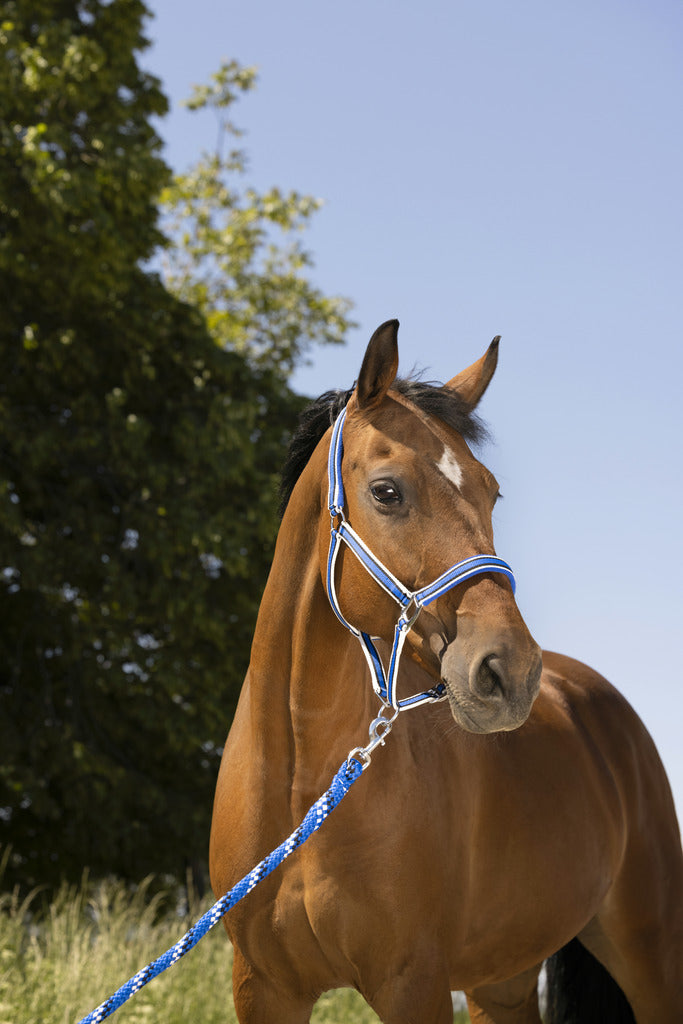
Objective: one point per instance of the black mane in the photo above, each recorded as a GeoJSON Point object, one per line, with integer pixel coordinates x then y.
{"type": "Point", "coordinates": [432, 399]}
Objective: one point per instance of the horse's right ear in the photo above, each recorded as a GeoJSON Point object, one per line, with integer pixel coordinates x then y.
{"type": "Point", "coordinates": [473, 382]}
{"type": "Point", "coordinates": [380, 366]}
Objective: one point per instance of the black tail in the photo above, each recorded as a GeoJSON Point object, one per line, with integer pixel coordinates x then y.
{"type": "Point", "coordinates": [581, 991]}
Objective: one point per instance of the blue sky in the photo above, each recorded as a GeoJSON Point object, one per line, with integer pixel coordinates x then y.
{"type": "Point", "coordinates": [497, 168]}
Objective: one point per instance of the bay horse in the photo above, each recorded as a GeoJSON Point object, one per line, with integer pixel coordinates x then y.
{"type": "Point", "coordinates": [518, 812]}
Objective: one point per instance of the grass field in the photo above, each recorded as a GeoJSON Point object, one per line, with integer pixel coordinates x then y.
{"type": "Point", "coordinates": [59, 961]}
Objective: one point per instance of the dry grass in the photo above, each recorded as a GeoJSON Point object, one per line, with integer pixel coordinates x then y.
{"type": "Point", "coordinates": [59, 961]}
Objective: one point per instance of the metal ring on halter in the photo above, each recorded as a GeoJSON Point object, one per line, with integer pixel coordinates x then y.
{"type": "Point", "coordinates": [406, 620]}
{"type": "Point", "coordinates": [381, 725]}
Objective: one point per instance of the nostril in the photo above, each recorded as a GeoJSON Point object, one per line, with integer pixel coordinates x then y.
{"type": "Point", "coordinates": [488, 682]}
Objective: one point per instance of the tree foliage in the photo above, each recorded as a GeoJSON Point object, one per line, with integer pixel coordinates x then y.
{"type": "Point", "coordinates": [238, 256]}
{"type": "Point", "coordinates": [138, 464]}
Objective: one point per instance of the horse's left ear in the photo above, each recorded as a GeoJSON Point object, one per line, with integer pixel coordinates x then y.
{"type": "Point", "coordinates": [380, 366]}
{"type": "Point", "coordinates": [473, 382]}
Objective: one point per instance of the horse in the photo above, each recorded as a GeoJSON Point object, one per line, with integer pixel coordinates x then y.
{"type": "Point", "coordinates": [518, 813]}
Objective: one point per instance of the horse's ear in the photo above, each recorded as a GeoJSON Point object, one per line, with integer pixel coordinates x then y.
{"type": "Point", "coordinates": [473, 382]}
{"type": "Point", "coordinates": [380, 366]}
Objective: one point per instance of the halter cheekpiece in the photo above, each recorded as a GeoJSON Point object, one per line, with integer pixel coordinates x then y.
{"type": "Point", "coordinates": [411, 601]}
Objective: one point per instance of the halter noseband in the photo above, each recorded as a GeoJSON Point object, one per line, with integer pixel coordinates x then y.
{"type": "Point", "coordinates": [411, 601]}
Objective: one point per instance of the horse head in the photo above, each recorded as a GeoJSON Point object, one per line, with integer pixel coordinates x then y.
{"type": "Point", "coordinates": [421, 502]}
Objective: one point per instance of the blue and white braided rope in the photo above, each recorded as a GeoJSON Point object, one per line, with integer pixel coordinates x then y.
{"type": "Point", "coordinates": [342, 782]}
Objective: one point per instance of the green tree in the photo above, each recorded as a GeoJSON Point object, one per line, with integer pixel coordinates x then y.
{"type": "Point", "coordinates": [237, 255]}
{"type": "Point", "coordinates": [138, 465]}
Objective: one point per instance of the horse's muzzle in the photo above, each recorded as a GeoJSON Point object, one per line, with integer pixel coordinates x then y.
{"type": "Point", "coordinates": [493, 689]}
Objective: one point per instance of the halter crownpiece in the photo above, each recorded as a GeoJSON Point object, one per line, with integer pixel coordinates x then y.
{"type": "Point", "coordinates": [411, 601]}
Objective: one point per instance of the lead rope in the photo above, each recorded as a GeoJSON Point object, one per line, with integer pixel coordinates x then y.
{"type": "Point", "coordinates": [352, 768]}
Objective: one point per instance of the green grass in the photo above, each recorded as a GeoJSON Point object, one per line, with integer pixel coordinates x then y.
{"type": "Point", "coordinates": [58, 962]}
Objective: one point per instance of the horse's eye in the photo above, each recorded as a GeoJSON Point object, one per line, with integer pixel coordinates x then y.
{"type": "Point", "coordinates": [386, 492]}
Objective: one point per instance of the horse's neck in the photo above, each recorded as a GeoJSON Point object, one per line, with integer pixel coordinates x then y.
{"type": "Point", "coordinates": [309, 697]}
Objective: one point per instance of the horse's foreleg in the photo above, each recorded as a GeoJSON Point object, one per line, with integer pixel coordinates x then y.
{"type": "Point", "coordinates": [259, 1001]}
{"type": "Point", "coordinates": [511, 1002]}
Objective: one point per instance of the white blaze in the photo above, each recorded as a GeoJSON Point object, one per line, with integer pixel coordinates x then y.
{"type": "Point", "coordinates": [450, 468]}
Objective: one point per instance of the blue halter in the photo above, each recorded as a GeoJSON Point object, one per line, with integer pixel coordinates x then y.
{"type": "Point", "coordinates": [411, 601]}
